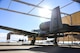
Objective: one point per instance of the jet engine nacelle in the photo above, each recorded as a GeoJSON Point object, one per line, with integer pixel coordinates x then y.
{"type": "Point", "coordinates": [45, 26]}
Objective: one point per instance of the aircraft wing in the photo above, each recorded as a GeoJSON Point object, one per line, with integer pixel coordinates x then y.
{"type": "Point", "coordinates": [17, 30]}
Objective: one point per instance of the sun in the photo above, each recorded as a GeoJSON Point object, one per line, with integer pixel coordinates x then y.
{"type": "Point", "coordinates": [44, 12]}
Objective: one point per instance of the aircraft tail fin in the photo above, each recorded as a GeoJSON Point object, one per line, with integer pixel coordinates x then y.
{"type": "Point", "coordinates": [55, 23]}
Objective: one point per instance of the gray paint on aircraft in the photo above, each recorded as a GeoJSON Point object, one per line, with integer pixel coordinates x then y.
{"type": "Point", "coordinates": [55, 23]}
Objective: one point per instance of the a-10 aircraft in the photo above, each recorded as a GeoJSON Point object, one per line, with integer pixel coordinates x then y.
{"type": "Point", "coordinates": [52, 28]}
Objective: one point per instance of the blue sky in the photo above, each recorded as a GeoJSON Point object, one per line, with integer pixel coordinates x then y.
{"type": "Point", "coordinates": [26, 22]}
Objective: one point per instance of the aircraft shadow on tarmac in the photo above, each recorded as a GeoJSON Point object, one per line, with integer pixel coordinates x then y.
{"type": "Point", "coordinates": [48, 49]}
{"type": "Point", "coordinates": [52, 49]}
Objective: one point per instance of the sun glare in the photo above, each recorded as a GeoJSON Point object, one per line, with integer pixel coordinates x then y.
{"type": "Point", "coordinates": [44, 12]}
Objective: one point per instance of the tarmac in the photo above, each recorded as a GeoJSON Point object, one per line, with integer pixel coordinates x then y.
{"type": "Point", "coordinates": [18, 48]}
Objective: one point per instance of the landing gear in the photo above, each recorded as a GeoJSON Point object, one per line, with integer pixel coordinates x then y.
{"type": "Point", "coordinates": [55, 41]}
{"type": "Point", "coordinates": [56, 36]}
{"type": "Point", "coordinates": [8, 37]}
{"type": "Point", "coordinates": [33, 40]}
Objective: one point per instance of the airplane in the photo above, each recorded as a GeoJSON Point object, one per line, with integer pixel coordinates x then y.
{"type": "Point", "coordinates": [53, 28]}
{"type": "Point", "coordinates": [77, 1]}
